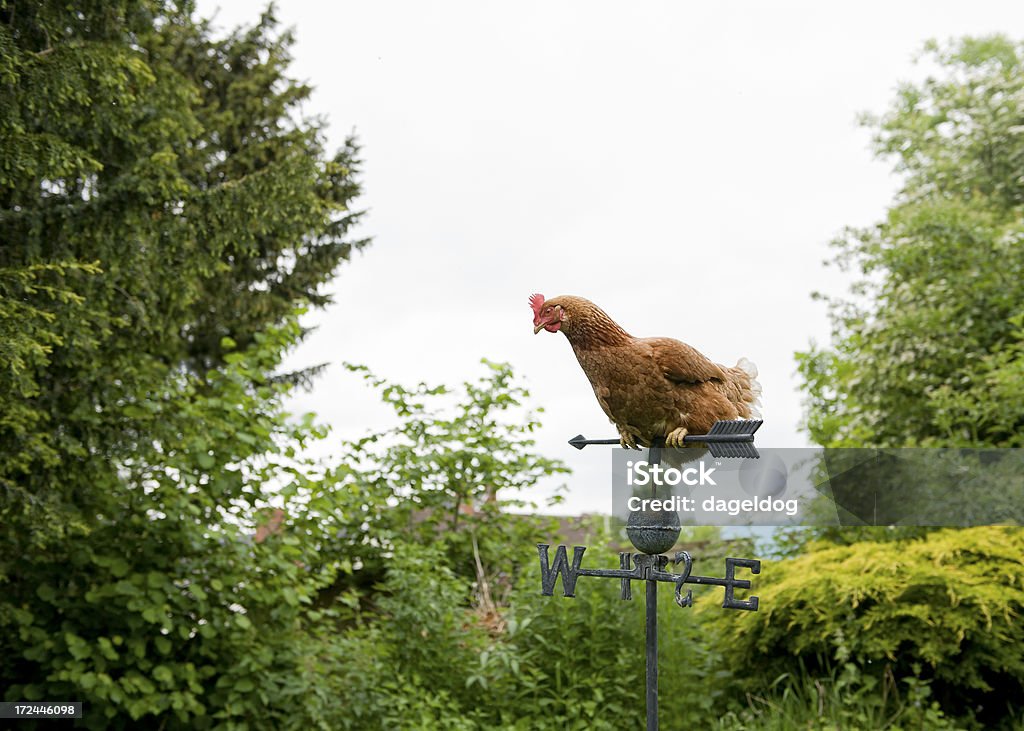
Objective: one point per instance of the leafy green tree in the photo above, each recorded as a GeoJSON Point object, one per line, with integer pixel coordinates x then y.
{"type": "Point", "coordinates": [164, 212]}
{"type": "Point", "coordinates": [275, 205]}
{"type": "Point", "coordinates": [446, 476]}
{"type": "Point", "coordinates": [137, 144]}
{"type": "Point", "coordinates": [930, 349]}
{"type": "Point", "coordinates": [927, 350]}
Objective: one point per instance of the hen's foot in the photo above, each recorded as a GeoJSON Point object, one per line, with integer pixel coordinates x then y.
{"type": "Point", "coordinates": [627, 440]}
{"type": "Point", "coordinates": [675, 439]}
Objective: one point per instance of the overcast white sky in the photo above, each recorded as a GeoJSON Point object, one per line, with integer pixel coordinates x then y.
{"type": "Point", "coordinates": [658, 158]}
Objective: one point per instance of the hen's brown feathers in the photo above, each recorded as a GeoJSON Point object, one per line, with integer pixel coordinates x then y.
{"type": "Point", "coordinates": [682, 364]}
{"type": "Point", "coordinates": [651, 387]}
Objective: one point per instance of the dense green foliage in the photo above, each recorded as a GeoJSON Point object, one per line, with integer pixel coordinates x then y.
{"type": "Point", "coordinates": [930, 350]}
{"type": "Point", "coordinates": [164, 211]}
{"type": "Point", "coordinates": [158, 193]}
{"type": "Point", "coordinates": [551, 663]}
{"type": "Point", "coordinates": [152, 598]}
{"type": "Point", "coordinates": [435, 478]}
{"type": "Point", "coordinates": [943, 610]}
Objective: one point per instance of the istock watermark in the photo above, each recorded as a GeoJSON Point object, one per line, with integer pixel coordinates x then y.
{"type": "Point", "coordinates": [825, 487]}
{"type": "Point", "coordinates": [644, 473]}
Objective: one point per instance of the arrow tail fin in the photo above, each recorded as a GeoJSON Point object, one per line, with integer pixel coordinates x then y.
{"type": "Point", "coordinates": [743, 450]}
{"type": "Point", "coordinates": [736, 426]}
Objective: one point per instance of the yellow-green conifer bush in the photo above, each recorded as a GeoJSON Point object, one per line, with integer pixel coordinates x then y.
{"type": "Point", "coordinates": [946, 608]}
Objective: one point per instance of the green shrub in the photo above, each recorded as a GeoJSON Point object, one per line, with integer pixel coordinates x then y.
{"type": "Point", "coordinates": [944, 609]}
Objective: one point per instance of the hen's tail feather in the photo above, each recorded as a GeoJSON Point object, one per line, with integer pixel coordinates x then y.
{"type": "Point", "coordinates": [748, 367]}
{"type": "Point", "coordinates": [750, 392]}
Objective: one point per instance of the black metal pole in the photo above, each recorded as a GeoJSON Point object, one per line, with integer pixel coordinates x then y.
{"type": "Point", "coordinates": [652, 655]}
{"type": "Point", "coordinates": [654, 457]}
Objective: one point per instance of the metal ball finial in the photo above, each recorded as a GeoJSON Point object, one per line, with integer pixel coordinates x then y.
{"type": "Point", "coordinates": [653, 531]}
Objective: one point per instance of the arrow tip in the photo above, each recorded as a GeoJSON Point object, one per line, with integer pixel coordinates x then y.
{"type": "Point", "coordinates": [579, 441]}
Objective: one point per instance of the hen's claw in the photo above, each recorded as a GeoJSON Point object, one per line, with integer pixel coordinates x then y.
{"type": "Point", "coordinates": [675, 439]}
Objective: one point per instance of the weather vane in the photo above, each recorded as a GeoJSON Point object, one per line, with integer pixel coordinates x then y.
{"type": "Point", "coordinates": [653, 533]}
{"type": "Point", "coordinates": [662, 392]}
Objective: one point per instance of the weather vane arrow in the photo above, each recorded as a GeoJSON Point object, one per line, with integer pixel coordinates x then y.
{"type": "Point", "coordinates": [733, 438]}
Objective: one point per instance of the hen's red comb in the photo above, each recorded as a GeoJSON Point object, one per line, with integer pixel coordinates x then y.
{"type": "Point", "coordinates": [536, 302]}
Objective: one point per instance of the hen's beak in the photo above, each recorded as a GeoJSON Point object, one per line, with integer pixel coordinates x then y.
{"type": "Point", "coordinates": [540, 327]}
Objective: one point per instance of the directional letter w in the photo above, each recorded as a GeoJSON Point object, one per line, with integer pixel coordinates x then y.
{"type": "Point", "coordinates": [569, 574]}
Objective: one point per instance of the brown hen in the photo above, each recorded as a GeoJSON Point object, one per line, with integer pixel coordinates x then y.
{"type": "Point", "coordinates": [649, 387]}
